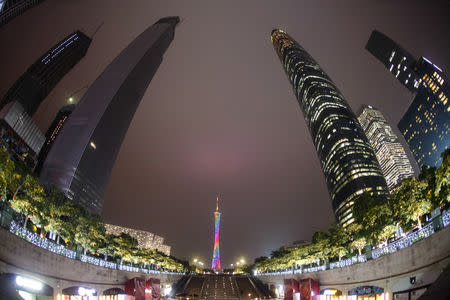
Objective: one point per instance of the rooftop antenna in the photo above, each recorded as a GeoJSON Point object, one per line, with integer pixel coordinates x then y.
{"type": "Point", "coordinates": [98, 28]}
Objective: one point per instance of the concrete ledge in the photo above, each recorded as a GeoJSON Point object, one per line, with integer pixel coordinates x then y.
{"type": "Point", "coordinates": [21, 257]}
{"type": "Point", "coordinates": [424, 260]}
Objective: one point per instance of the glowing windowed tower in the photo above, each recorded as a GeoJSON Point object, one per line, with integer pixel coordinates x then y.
{"type": "Point", "coordinates": [347, 159]}
{"type": "Point", "coordinates": [216, 253]}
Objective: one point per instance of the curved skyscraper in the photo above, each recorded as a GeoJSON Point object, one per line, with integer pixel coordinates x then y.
{"type": "Point", "coordinates": [347, 159]}
{"type": "Point", "coordinates": [83, 154]}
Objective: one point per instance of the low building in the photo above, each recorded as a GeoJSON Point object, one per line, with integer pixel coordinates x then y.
{"type": "Point", "coordinates": [145, 239]}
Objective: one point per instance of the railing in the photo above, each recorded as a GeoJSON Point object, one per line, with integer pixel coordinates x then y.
{"type": "Point", "coordinates": [407, 241]}
{"type": "Point", "coordinates": [404, 242]}
{"type": "Point", "coordinates": [348, 262]}
{"type": "Point", "coordinates": [47, 244]}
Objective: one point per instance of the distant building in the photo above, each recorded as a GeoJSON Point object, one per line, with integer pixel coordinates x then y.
{"type": "Point", "coordinates": [348, 162]}
{"type": "Point", "coordinates": [146, 240]}
{"type": "Point", "coordinates": [9, 9]}
{"type": "Point", "coordinates": [296, 245]}
{"type": "Point", "coordinates": [52, 133]}
{"type": "Point", "coordinates": [393, 160]}
{"type": "Point", "coordinates": [425, 125]}
{"type": "Point", "coordinates": [83, 155]}
{"type": "Point", "coordinates": [20, 135]}
{"type": "Point", "coordinates": [37, 82]}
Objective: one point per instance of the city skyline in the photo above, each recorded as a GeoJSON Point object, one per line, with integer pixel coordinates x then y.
{"type": "Point", "coordinates": [212, 121]}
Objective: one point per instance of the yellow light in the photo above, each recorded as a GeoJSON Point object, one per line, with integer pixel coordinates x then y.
{"type": "Point", "coordinates": [70, 99]}
{"type": "Point", "coordinates": [93, 145]}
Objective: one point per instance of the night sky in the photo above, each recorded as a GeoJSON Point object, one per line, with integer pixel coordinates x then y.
{"type": "Point", "coordinates": [220, 117]}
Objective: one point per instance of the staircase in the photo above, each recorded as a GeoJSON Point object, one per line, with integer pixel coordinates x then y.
{"type": "Point", "coordinates": [219, 288]}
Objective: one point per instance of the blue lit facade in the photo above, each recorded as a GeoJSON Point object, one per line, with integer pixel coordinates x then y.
{"type": "Point", "coordinates": [83, 154]}
{"type": "Point", "coordinates": [425, 125]}
{"type": "Point", "coordinates": [347, 159]}
{"type": "Point", "coordinates": [38, 81]}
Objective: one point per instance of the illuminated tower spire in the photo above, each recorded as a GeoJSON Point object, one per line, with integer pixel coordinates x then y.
{"type": "Point", "coordinates": [216, 253]}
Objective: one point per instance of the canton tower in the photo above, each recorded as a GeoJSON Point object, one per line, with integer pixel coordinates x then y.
{"type": "Point", "coordinates": [348, 161]}
{"type": "Point", "coordinates": [216, 253]}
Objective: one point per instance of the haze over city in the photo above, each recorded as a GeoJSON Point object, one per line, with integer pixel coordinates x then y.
{"type": "Point", "coordinates": [219, 117]}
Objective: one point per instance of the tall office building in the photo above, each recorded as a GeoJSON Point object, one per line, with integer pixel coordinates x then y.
{"type": "Point", "coordinates": [83, 154]}
{"type": "Point", "coordinates": [347, 159]}
{"type": "Point", "coordinates": [425, 125]}
{"type": "Point", "coordinates": [393, 160]}
{"type": "Point", "coordinates": [20, 135]}
{"type": "Point", "coordinates": [396, 59]}
{"type": "Point", "coordinates": [52, 133]}
{"type": "Point", "coordinates": [9, 9]}
{"type": "Point", "coordinates": [37, 82]}
{"type": "Point", "coordinates": [215, 264]}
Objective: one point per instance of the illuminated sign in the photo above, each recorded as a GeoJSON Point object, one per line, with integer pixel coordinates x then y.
{"type": "Point", "coordinates": [29, 283]}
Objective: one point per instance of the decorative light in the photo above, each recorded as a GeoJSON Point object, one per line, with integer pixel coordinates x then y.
{"type": "Point", "coordinates": [29, 283]}
{"type": "Point", "coordinates": [167, 290]}
{"type": "Point", "coordinates": [93, 145]}
{"type": "Point", "coordinates": [85, 292]}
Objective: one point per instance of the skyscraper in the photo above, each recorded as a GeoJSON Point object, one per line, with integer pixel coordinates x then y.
{"type": "Point", "coordinates": [347, 159]}
{"type": "Point", "coordinates": [393, 160]}
{"type": "Point", "coordinates": [37, 82]}
{"type": "Point", "coordinates": [20, 135]}
{"type": "Point", "coordinates": [52, 133]}
{"type": "Point", "coordinates": [399, 62]}
{"type": "Point", "coordinates": [425, 125]}
{"type": "Point", "coordinates": [83, 154]}
{"type": "Point", "coordinates": [9, 9]}
{"type": "Point", "coordinates": [215, 265]}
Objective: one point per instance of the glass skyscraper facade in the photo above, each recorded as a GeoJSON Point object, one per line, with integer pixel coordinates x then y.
{"type": "Point", "coordinates": [9, 9]}
{"type": "Point", "coordinates": [390, 153]}
{"type": "Point", "coordinates": [52, 132]}
{"type": "Point", "coordinates": [83, 154]}
{"type": "Point", "coordinates": [397, 60]}
{"type": "Point", "coordinates": [425, 125]}
{"type": "Point", "coordinates": [38, 81]}
{"type": "Point", "coordinates": [347, 159]}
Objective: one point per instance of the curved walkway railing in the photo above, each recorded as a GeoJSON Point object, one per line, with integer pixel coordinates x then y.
{"type": "Point", "coordinates": [47, 244]}
{"type": "Point", "coordinates": [399, 244]}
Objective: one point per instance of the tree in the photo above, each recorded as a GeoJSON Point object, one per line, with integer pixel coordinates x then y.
{"type": "Point", "coordinates": [7, 173]}
{"type": "Point", "coordinates": [359, 244]}
{"type": "Point", "coordinates": [123, 246]}
{"type": "Point", "coordinates": [279, 252]}
{"type": "Point", "coordinates": [28, 199]}
{"type": "Point", "coordinates": [442, 175]}
{"type": "Point", "coordinates": [373, 215]}
{"type": "Point", "coordinates": [90, 233]}
{"type": "Point", "coordinates": [339, 239]}
{"type": "Point", "coordinates": [409, 201]}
